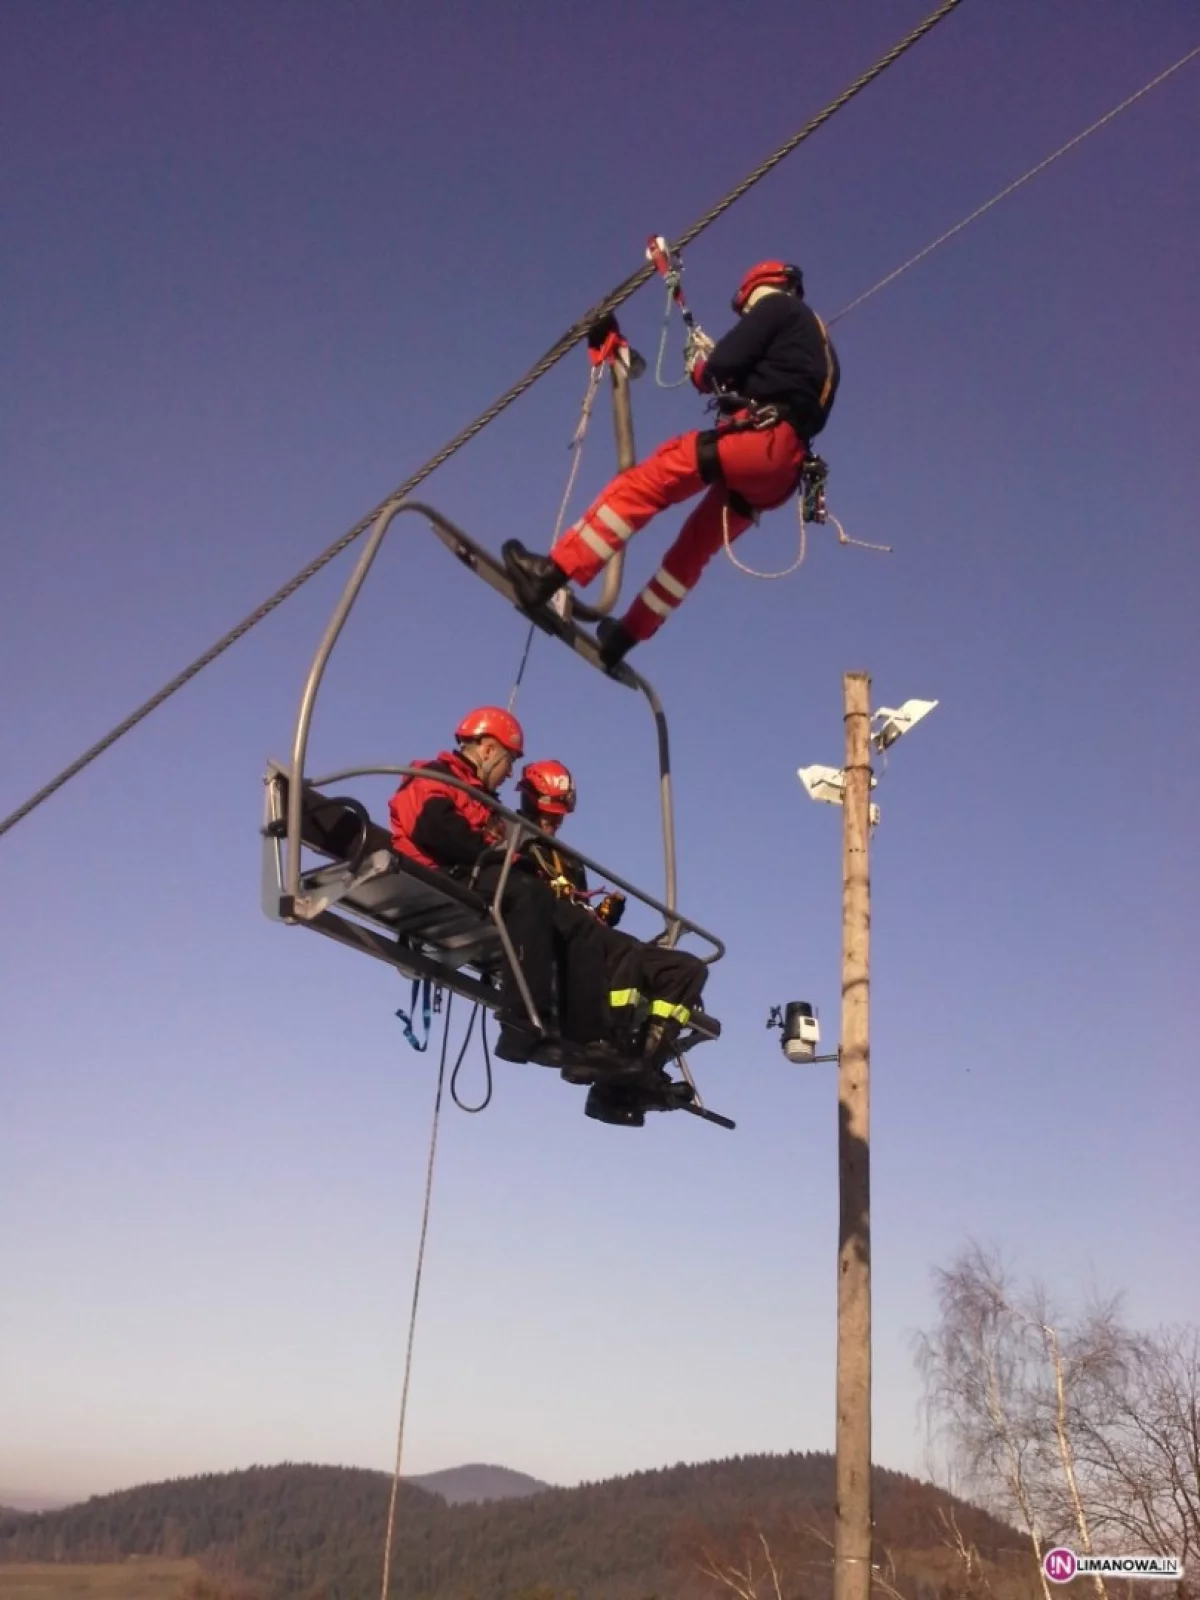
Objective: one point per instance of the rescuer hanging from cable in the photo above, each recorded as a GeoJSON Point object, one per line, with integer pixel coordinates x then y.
{"type": "Point", "coordinates": [779, 357]}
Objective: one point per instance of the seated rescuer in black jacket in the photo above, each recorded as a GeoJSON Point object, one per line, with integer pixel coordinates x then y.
{"type": "Point", "coordinates": [652, 990]}
{"type": "Point", "coordinates": [451, 831]}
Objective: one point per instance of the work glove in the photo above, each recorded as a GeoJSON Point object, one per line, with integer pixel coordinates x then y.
{"type": "Point", "coordinates": [695, 358]}
{"type": "Point", "coordinates": [611, 909]}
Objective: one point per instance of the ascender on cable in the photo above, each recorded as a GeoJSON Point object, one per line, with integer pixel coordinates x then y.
{"type": "Point", "coordinates": [658, 251]}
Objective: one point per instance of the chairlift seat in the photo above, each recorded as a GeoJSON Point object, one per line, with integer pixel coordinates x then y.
{"type": "Point", "coordinates": [428, 912]}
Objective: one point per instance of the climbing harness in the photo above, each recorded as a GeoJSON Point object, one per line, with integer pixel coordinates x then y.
{"type": "Point", "coordinates": [550, 860]}
{"type": "Point", "coordinates": [431, 1003]}
{"type": "Point", "coordinates": [754, 415]}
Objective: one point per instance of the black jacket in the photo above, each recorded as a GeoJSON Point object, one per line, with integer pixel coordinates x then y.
{"type": "Point", "coordinates": [778, 353]}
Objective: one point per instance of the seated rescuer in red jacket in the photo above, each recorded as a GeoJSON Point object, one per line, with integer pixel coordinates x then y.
{"type": "Point", "coordinates": [778, 354]}
{"type": "Point", "coordinates": [652, 990]}
{"type": "Point", "coordinates": [449, 830]}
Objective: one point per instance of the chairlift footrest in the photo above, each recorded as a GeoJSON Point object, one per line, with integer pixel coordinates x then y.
{"type": "Point", "coordinates": [711, 1116]}
{"type": "Point", "coordinates": [494, 573]}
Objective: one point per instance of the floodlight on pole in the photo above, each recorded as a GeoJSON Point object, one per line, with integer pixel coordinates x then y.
{"type": "Point", "coordinates": [829, 784]}
{"type": "Point", "coordinates": [899, 721]}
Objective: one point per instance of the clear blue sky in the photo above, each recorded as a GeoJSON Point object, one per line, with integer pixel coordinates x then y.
{"type": "Point", "coordinates": [260, 262]}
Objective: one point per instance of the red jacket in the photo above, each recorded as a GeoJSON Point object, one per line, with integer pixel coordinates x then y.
{"type": "Point", "coordinates": [439, 846]}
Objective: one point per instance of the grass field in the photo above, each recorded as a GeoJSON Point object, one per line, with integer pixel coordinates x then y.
{"type": "Point", "coordinates": [150, 1579]}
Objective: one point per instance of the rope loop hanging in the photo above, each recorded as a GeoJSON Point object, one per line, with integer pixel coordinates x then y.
{"type": "Point", "coordinates": [576, 448]}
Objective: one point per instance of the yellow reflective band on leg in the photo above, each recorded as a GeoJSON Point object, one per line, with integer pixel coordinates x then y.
{"type": "Point", "coordinates": [664, 1008]}
{"type": "Point", "coordinates": [623, 997]}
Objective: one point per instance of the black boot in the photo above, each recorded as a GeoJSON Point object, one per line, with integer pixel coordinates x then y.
{"type": "Point", "coordinates": [615, 642]}
{"type": "Point", "coordinates": [662, 1034]}
{"type": "Point", "coordinates": [605, 1104]}
{"type": "Point", "coordinates": [518, 1040]}
{"type": "Point", "coordinates": [599, 1062]}
{"type": "Point", "coordinates": [625, 1106]}
{"type": "Point", "coordinates": [535, 578]}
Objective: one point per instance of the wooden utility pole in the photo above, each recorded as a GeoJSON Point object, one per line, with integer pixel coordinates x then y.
{"type": "Point", "coordinates": [852, 1542]}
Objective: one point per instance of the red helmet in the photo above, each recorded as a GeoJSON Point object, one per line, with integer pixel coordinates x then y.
{"type": "Point", "coordinates": [774, 274]}
{"type": "Point", "coordinates": [549, 787]}
{"type": "Point", "coordinates": [501, 725]}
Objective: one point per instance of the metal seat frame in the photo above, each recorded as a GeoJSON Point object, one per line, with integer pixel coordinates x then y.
{"type": "Point", "coordinates": [427, 924]}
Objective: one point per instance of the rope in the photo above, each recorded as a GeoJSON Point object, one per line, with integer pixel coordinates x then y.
{"type": "Point", "coordinates": [556, 352]}
{"type": "Point", "coordinates": [809, 128]}
{"type": "Point", "coordinates": [844, 537]}
{"type": "Point", "coordinates": [512, 698]}
{"type": "Point", "coordinates": [1005, 192]}
{"type": "Point", "coordinates": [662, 349]}
{"type": "Point", "coordinates": [416, 1295]}
{"type": "Point", "coordinates": [487, 1067]}
{"type": "Point", "coordinates": [752, 572]}
{"type": "Point", "coordinates": [576, 446]}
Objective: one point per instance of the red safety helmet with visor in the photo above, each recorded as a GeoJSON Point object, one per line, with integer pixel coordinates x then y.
{"type": "Point", "coordinates": [768, 274]}
{"type": "Point", "coordinates": [547, 787]}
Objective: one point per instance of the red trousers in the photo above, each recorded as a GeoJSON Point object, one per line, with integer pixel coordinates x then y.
{"type": "Point", "coordinates": [762, 466]}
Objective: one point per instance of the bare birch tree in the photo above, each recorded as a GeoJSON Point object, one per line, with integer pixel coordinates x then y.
{"type": "Point", "coordinates": [1136, 1420]}
{"type": "Point", "coordinates": [757, 1571]}
{"type": "Point", "coordinates": [1078, 1429]}
{"type": "Point", "coordinates": [979, 1366]}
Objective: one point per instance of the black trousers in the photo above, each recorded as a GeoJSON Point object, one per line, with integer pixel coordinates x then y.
{"type": "Point", "coordinates": [553, 940]}
{"type": "Point", "coordinates": [644, 976]}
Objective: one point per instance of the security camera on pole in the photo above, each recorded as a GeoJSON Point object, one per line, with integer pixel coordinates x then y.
{"type": "Point", "coordinates": [850, 787]}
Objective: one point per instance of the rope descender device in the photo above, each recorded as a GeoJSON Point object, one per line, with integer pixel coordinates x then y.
{"type": "Point", "coordinates": [814, 475]}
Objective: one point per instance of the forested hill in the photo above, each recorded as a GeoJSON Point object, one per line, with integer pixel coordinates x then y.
{"type": "Point", "coordinates": [462, 1485]}
{"type": "Point", "coordinates": [317, 1533]}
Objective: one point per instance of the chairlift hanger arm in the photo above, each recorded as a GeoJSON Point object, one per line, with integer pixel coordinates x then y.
{"type": "Point", "coordinates": [621, 372]}
{"type": "Point", "coordinates": [492, 571]}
